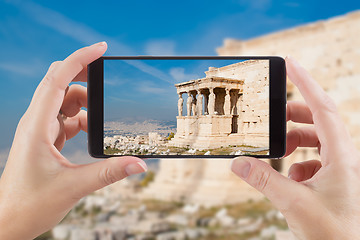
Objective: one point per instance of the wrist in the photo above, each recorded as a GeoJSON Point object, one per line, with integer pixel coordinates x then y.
{"type": "Point", "coordinates": [14, 225]}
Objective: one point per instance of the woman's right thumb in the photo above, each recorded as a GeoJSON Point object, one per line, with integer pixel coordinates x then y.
{"type": "Point", "coordinates": [278, 189]}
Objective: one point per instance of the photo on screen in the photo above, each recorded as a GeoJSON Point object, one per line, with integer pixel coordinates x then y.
{"type": "Point", "coordinates": [186, 107]}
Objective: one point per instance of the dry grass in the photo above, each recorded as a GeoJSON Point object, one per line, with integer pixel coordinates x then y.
{"type": "Point", "coordinates": [162, 206]}
{"type": "Point", "coordinates": [111, 151]}
{"type": "Point", "coordinates": [250, 209]}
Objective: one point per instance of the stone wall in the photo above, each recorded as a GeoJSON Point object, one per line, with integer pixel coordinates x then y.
{"type": "Point", "coordinates": [330, 50]}
{"type": "Point", "coordinates": [207, 182]}
{"type": "Point", "coordinates": [253, 108]}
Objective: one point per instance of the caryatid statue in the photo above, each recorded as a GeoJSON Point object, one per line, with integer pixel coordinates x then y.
{"type": "Point", "coordinates": [193, 105]}
{"type": "Point", "coordinates": [227, 104]}
{"type": "Point", "coordinates": [189, 104]}
{"type": "Point", "coordinates": [199, 103]}
{"type": "Point", "coordinates": [211, 104]}
{"type": "Point", "coordinates": [180, 104]}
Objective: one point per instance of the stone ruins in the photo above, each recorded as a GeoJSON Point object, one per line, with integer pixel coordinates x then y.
{"type": "Point", "coordinates": [230, 106]}
{"type": "Point", "coordinates": [330, 51]}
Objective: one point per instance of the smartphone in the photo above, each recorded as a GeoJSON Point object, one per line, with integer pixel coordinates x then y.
{"type": "Point", "coordinates": [187, 107]}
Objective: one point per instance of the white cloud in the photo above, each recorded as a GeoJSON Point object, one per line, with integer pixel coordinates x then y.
{"type": "Point", "coordinates": [178, 73]}
{"type": "Point", "coordinates": [149, 87]}
{"type": "Point", "coordinates": [115, 81]}
{"type": "Point", "coordinates": [292, 4]}
{"type": "Point", "coordinates": [251, 21]}
{"type": "Point", "coordinates": [83, 34]}
{"type": "Point", "coordinates": [66, 26]}
{"type": "Point", "coordinates": [160, 47]}
{"type": "Point", "coordinates": [150, 70]}
{"type": "Point", "coordinates": [259, 5]}
{"type": "Point", "coordinates": [31, 68]}
{"type": "Point", "coordinates": [118, 99]}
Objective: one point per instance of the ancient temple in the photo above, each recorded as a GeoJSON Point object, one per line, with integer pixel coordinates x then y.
{"type": "Point", "coordinates": [230, 106]}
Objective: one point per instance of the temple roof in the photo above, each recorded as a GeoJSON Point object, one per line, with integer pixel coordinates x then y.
{"type": "Point", "coordinates": [208, 82]}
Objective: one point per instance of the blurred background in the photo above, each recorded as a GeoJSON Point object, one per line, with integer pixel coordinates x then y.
{"type": "Point", "coordinates": [178, 199]}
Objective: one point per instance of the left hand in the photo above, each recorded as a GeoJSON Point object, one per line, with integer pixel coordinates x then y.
{"type": "Point", "coordinates": [39, 186]}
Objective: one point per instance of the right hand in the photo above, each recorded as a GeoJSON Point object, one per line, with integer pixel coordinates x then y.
{"type": "Point", "coordinates": [320, 199]}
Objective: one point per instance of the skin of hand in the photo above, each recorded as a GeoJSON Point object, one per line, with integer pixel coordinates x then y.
{"type": "Point", "coordinates": [319, 199]}
{"type": "Point", "coordinates": [39, 186]}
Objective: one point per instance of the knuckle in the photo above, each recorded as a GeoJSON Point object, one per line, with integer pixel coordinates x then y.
{"type": "Point", "coordinates": [47, 82]}
{"type": "Point", "coordinates": [49, 77]}
{"type": "Point", "coordinates": [295, 205]}
{"type": "Point", "coordinates": [54, 65]}
{"type": "Point", "coordinates": [262, 180]}
{"type": "Point", "coordinates": [107, 176]}
{"type": "Point", "coordinates": [329, 104]}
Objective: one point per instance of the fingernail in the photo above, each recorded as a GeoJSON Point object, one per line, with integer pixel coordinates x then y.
{"type": "Point", "coordinates": [135, 168]}
{"type": "Point", "coordinates": [240, 167]}
{"type": "Point", "coordinates": [100, 44]}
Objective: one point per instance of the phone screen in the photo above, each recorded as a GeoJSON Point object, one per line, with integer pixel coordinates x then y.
{"type": "Point", "coordinates": [186, 107]}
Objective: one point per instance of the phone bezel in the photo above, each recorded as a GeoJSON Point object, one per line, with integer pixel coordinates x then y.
{"type": "Point", "coordinates": [277, 89]}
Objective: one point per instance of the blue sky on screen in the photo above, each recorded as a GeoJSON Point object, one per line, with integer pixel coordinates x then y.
{"type": "Point", "coordinates": [132, 93]}
{"type": "Point", "coordinates": [34, 34]}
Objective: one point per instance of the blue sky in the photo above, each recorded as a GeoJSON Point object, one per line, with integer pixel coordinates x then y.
{"type": "Point", "coordinates": [34, 34]}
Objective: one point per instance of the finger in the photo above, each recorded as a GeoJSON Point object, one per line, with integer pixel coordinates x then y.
{"type": "Point", "coordinates": [82, 76]}
{"type": "Point", "coordinates": [304, 170]}
{"type": "Point", "coordinates": [100, 174]}
{"type": "Point", "coordinates": [280, 190]}
{"type": "Point", "coordinates": [298, 112]}
{"type": "Point", "coordinates": [49, 95]}
{"type": "Point", "coordinates": [74, 100]}
{"type": "Point", "coordinates": [73, 125]}
{"type": "Point", "coordinates": [301, 137]}
{"type": "Point", "coordinates": [329, 127]}
{"type": "Point", "coordinates": [60, 139]}
{"type": "Point", "coordinates": [314, 95]}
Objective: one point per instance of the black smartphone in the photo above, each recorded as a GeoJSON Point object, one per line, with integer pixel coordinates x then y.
{"type": "Point", "coordinates": [179, 107]}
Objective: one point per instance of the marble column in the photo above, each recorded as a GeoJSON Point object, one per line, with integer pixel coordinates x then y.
{"type": "Point", "coordinates": [180, 104]}
{"type": "Point", "coordinates": [188, 104]}
{"type": "Point", "coordinates": [206, 98]}
{"type": "Point", "coordinates": [227, 104]}
{"type": "Point", "coordinates": [211, 105]}
{"type": "Point", "coordinates": [193, 104]}
{"type": "Point", "coordinates": [239, 103]}
{"type": "Point", "coordinates": [199, 103]}
{"type": "Point", "coordinates": [233, 101]}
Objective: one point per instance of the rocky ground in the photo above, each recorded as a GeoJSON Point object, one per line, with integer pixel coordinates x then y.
{"type": "Point", "coordinates": [152, 137]}
{"type": "Point", "coordinates": [131, 146]}
{"type": "Point", "coordinates": [106, 215]}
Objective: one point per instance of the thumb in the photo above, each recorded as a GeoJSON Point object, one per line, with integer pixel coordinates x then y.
{"type": "Point", "coordinates": [280, 190]}
{"type": "Point", "coordinates": [91, 177]}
